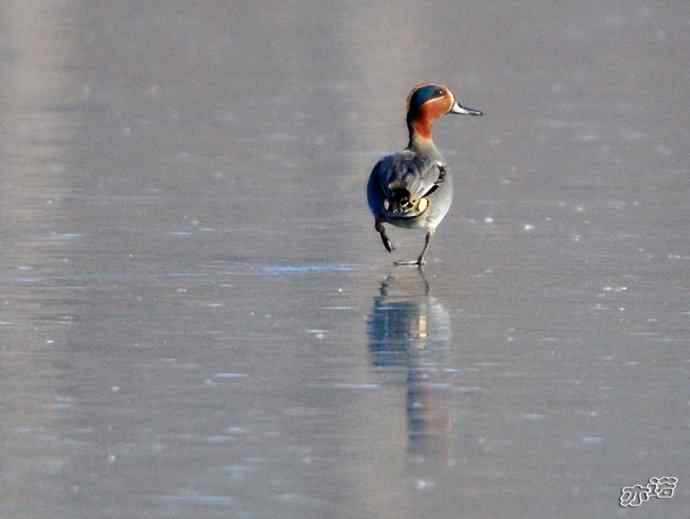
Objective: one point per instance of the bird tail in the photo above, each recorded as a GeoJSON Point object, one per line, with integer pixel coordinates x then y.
{"type": "Point", "coordinates": [400, 203]}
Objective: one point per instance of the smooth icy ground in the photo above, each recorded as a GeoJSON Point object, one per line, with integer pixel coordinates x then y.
{"type": "Point", "coordinates": [197, 319]}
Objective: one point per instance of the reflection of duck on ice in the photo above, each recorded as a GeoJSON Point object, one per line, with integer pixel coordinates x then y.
{"type": "Point", "coordinates": [411, 330]}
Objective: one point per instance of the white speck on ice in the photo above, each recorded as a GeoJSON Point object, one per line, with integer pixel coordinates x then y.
{"type": "Point", "coordinates": [423, 484]}
{"type": "Point", "coordinates": [663, 150]}
{"type": "Point", "coordinates": [614, 289]}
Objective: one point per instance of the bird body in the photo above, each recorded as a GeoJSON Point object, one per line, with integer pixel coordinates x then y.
{"type": "Point", "coordinates": [412, 188]}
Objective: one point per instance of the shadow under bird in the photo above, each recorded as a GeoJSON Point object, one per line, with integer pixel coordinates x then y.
{"type": "Point", "coordinates": [412, 188]}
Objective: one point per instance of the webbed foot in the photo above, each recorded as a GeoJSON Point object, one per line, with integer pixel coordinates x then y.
{"type": "Point", "coordinates": [420, 260]}
{"type": "Point", "coordinates": [410, 263]}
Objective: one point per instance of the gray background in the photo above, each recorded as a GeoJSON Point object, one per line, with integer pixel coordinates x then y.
{"type": "Point", "coordinates": [198, 320]}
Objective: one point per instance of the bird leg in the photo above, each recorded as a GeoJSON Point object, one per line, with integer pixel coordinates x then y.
{"type": "Point", "coordinates": [420, 260]}
{"type": "Point", "coordinates": [384, 237]}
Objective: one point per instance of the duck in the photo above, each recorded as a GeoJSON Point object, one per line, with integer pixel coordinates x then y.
{"type": "Point", "coordinates": [412, 188]}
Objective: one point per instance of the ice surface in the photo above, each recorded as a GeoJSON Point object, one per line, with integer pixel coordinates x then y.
{"type": "Point", "coordinates": [199, 320]}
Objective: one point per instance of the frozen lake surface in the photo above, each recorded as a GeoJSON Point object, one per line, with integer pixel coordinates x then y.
{"type": "Point", "coordinates": [197, 318]}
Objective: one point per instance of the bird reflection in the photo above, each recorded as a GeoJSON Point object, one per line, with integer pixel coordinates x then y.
{"type": "Point", "coordinates": [409, 334]}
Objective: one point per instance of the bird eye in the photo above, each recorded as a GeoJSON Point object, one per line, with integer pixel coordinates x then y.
{"type": "Point", "coordinates": [440, 92]}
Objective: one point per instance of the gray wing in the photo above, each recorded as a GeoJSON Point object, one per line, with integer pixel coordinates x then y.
{"type": "Point", "coordinates": [404, 178]}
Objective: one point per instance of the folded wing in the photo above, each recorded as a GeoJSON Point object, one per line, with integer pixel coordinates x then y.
{"type": "Point", "coordinates": [405, 179]}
